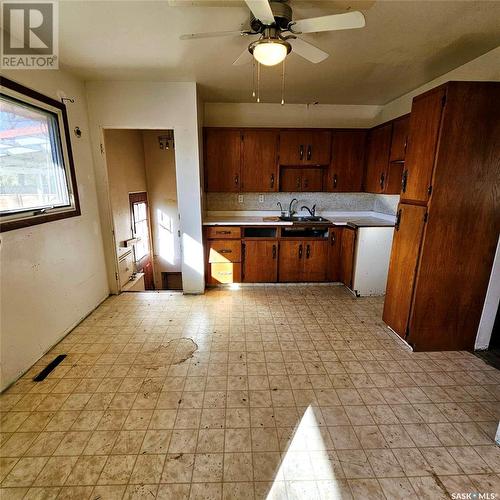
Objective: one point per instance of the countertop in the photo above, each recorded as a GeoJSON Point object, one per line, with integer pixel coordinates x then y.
{"type": "Point", "coordinates": [353, 219]}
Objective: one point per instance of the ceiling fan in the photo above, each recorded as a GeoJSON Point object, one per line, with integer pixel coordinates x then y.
{"type": "Point", "coordinates": [273, 21]}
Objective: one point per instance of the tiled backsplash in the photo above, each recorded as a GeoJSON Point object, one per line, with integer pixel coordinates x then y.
{"type": "Point", "coordinates": [325, 202]}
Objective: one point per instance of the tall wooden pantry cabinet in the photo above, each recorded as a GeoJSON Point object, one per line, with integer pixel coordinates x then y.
{"type": "Point", "coordinates": [448, 220]}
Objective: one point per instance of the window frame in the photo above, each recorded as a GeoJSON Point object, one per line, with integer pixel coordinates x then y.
{"type": "Point", "coordinates": [32, 98]}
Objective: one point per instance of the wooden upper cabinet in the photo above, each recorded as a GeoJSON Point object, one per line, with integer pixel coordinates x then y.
{"type": "Point", "coordinates": [312, 179]}
{"type": "Point", "coordinates": [301, 179]}
{"type": "Point", "coordinates": [318, 148]}
{"type": "Point", "coordinates": [403, 267]}
{"type": "Point", "coordinates": [305, 147]}
{"type": "Point", "coordinates": [345, 172]}
{"type": "Point", "coordinates": [259, 167]}
{"type": "Point", "coordinates": [423, 137]}
{"type": "Point", "coordinates": [377, 160]}
{"type": "Point", "coordinates": [400, 128]}
{"type": "Point", "coordinates": [222, 160]}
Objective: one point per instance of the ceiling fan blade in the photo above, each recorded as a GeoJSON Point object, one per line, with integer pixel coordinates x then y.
{"type": "Point", "coordinates": [261, 10]}
{"type": "Point", "coordinates": [212, 34]}
{"type": "Point", "coordinates": [345, 21]}
{"type": "Point", "coordinates": [244, 58]}
{"type": "Point", "coordinates": [308, 51]}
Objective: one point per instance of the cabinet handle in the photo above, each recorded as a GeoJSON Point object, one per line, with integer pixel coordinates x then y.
{"type": "Point", "coordinates": [308, 251]}
{"type": "Point", "coordinates": [404, 181]}
{"type": "Point", "coordinates": [272, 180]}
{"type": "Point", "coordinates": [222, 232]}
{"type": "Point", "coordinates": [298, 183]}
{"type": "Point", "coordinates": [274, 251]}
{"type": "Point", "coordinates": [332, 239]}
{"type": "Point", "coordinates": [300, 251]}
{"type": "Point", "coordinates": [335, 180]}
{"type": "Point", "coordinates": [309, 152]}
{"type": "Point", "coordinates": [301, 152]}
{"type": "Point", "coordinates": [236, 179]}
{"type": "Point", "coordinates": [398, 220]}
{"type": "Point", "coordinates": [382, 179]}
{"type": "Point", "coordinates": [224, 251]}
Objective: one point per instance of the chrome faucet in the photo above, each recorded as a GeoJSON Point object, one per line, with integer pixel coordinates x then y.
{"type": "Point", "coordinates": [312, 211]}
{"type": "Point", "coordinates": [291, 210]}
{"type": "Point", "coordinates": [283, 213]}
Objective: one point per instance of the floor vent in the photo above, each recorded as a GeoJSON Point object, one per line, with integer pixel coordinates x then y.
{"type": "Point", "coordinates": [43, 374]}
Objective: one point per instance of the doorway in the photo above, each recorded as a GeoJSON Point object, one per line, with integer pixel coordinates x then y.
{"type": "Point", "coordinates": [143, 196]}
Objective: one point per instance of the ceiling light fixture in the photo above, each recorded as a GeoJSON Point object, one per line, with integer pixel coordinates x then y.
{"type": "Point", "coordinates": [271, 49]}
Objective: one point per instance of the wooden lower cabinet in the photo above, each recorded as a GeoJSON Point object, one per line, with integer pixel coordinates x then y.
{"type": "Point", "coordinates": [291, 260]}
{"type": "Point", "coordinates": [403, 265]}
{"type": "Point", "coordinates": [224, 273]}
{"type": "Point", "coordinates": [305, 260]}
{"type": "Point", "coordinates": [347, 249]}
{"type": "Point", "coordinates": [260, 261]}
{"type": "Point", "coordinates": [334, 244]}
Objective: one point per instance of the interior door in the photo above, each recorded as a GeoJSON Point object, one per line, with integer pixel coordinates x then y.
{"type": "Point", "coordinates": [379, 144]}
{"type": "Point", "coordinates": [291, 260]}
{"type": "Point", "coordinates": [403, 266]}
{"type": "Point", "coordinates": [293, 146]}
{"type": "Point", "coordinates": [315, 260]}
{"type": "Point", "coordinates": [312, 179]}
{"type": "Point", "coordinates": [318, 147]}
{"type": "Point", "coordinates": [259, 172]}
{"type": "Point", "coordinates": [139, 214]}
{"type": "Point", "coordinates": [425, 124]}
{"type": "Point", "coordinates": [345, 172]}
{"type": "Point", "coordinates": [260, 263]}
{"type": "Point", "coordinates": [222, 160]}
{"type": "Point", "coordinates": [347, 248]}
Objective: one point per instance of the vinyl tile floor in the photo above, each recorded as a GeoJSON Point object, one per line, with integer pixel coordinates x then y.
{"type": "Point", "coordinates": [266, 392]}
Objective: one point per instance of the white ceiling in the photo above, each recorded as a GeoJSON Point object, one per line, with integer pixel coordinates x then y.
{"type": "Point", "coordinates": [404, 45]}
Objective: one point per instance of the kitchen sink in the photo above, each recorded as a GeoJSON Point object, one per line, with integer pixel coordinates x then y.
{"type": "Point", "coordinates": [303, 218]}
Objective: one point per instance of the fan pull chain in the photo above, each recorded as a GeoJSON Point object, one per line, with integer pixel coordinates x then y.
{"type": "Point", "coordinates": [258, 81]}
{"type": "Point", "coordinates": [283, 83]}
{"type": "Point", "coordinates": [253, 77]}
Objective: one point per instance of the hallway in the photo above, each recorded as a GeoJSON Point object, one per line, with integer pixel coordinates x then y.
{"type": "Point", "coordinates": [277, 392]}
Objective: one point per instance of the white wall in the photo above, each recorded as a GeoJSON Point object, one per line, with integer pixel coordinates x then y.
{"type": "Point", "coordinates": [483, 68]}
{"type": "Point", "coordinates": [53, 274]}
{"type": "Point", "coordinates": [154, 105]}
{"type": "Point", "coordinates": [290, 115]}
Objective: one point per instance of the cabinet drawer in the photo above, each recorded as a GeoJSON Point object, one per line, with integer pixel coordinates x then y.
{"type": "Point", "coordinates": [223, 232]}
{"type": "Point", "coordinates": [224, 273]}
{"type": "Point", "coordinates": [224, 251]}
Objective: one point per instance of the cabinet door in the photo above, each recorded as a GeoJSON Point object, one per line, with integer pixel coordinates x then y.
{"type": "Point", "coordinates": [425, 124]}
{"type": "Point", "coordinates": [318, 147]}
{"type": "Point", "coordinates": [224, 273]}
{"type": "Point", "coordinates": [291, 261]}
{"type": "Point", "coordinates": [394, 177]}
{"type": "Point", "coordinates": [334, 244]}
{"type": "Point", "coordinates": [290, 180]}
{"type": "Point", "coordinates": [400, 129]}
{"type": "Point", "coordinates": [222, 160]}
{"type": "Point", "coordinates": [259, 161]}
{"type": "Point", "coordinates": [315, 260]}
{"type": "Point", "coordinates": [347, 248]}
{"type": "Point", "coordinates": [402, 267]}
{"type": "Point", "coordinates": [260, 261]}
{"type": "Point", "coordinates": [345, 173]}
{"type": "Point", "coordinates": [379, 144]}
{"type": "Point", "coordinates": [312, 179]}
{"type": "Point", "coordinates": [293, 145]}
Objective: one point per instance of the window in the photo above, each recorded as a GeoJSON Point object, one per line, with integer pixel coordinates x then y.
{"type": "Point", "coordinates": [141, 230]}
{"type": "Point", "coordinates": [37, 181]}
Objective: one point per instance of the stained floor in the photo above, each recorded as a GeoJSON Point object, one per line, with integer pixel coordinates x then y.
{"type": "Point", "coordinates": [279, 392]}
